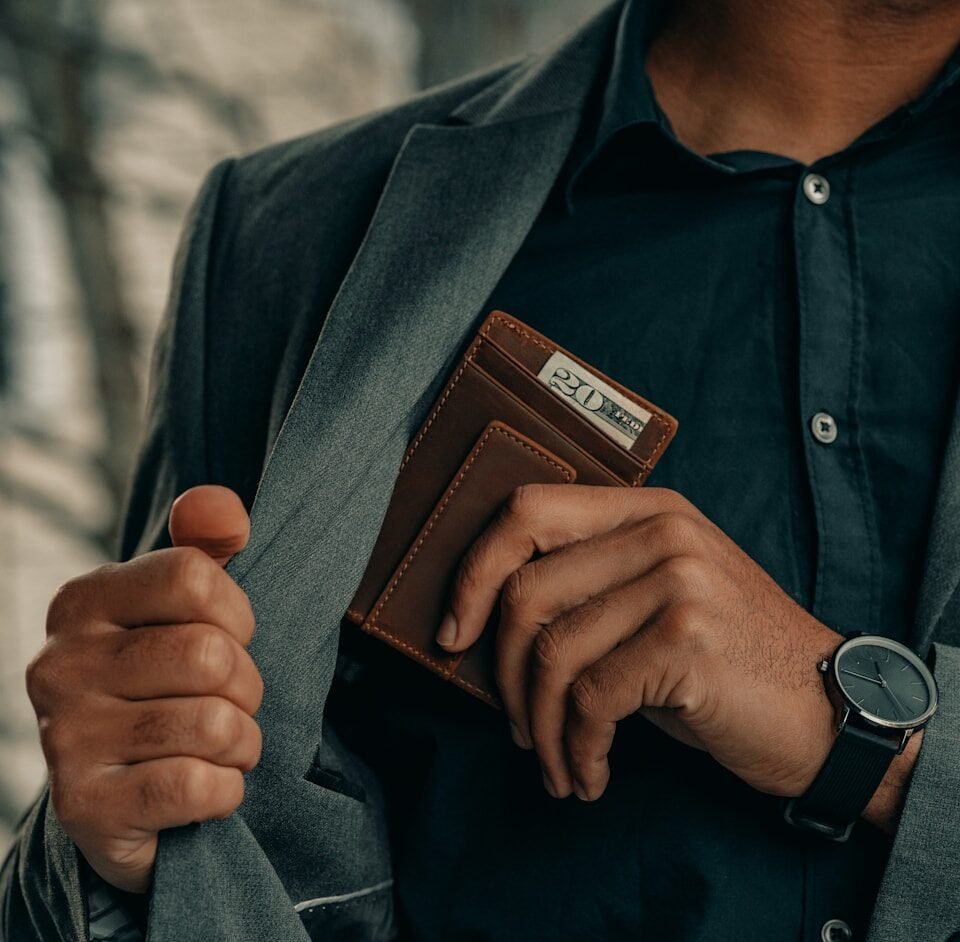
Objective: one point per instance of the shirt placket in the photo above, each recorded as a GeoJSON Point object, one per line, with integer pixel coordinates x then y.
{"type": "Point", "coordinates": [845, 591]}
{"type": "Point", "coordinates": [830, 371]}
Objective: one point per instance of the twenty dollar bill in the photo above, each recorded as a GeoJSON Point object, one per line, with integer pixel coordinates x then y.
{"type": "Point", "coordinates": [598, 402]}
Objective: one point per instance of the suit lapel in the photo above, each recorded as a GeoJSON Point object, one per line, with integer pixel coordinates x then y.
{"type": "Point", "coordinates": [457, 204]}
{"type": "Point", "coordinates": [938, 606]}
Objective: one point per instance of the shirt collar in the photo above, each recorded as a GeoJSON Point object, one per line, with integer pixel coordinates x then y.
{"type": "Point", "coordinates": [628, 98]}
{"type": "Point", "coordinates": [948, 77]}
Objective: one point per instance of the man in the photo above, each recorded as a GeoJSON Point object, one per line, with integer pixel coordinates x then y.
{"type": "Point", "coordinates": [744, 211]}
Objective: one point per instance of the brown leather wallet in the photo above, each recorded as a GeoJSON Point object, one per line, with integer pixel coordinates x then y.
{"type": "Point", "coordinates": [517, 409]}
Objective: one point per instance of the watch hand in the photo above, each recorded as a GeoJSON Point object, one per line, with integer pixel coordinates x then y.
{"type": "Point", "coordinates": [843, 670]}
{"type": "Point", "coordinates": [896, 701]}
{"type": "Point", "coordinates": [893, 696]}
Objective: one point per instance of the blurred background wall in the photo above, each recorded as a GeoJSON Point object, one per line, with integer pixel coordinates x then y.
{"type": "Point", "coordinates": [110, 113]}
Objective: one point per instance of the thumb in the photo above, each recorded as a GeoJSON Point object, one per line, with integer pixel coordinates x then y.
{"type": "Point", "coordinates": [211, 518]}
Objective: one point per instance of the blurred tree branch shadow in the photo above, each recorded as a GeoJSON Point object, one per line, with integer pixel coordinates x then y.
{"type": "Point", "coordinates": [57, 64]}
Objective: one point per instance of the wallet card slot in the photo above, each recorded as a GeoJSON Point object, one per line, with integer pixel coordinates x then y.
{"type": "Point", "coordinates": [408, 612]}
{"type": "Point", "coordinates": [516, 412]}
{"type": "Point", "coordinates": [530, 351]}
{"type": "Point", "coordinates": [499, 365]}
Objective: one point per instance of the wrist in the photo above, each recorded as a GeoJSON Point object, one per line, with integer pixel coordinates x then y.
{"type": "Point", "coordinates": [874, 680]}
{"type": "Point", "coordinates": [883, 809]}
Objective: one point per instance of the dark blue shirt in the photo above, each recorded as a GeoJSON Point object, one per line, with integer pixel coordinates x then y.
{"type": "Point", "coordinates": [802, 324]}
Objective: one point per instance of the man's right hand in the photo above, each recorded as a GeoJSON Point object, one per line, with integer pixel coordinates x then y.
{"type": "Point", "coordinates": [144, 691]}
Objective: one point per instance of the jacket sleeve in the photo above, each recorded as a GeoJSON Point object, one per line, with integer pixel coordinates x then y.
{"type": "Point", "coordinates": [920, 894]}
{"type": "Point", "coordinates": [42, 897]}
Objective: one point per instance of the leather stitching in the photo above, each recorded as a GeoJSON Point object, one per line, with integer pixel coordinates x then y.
{"type": "Point", "coordinates": [655, 416]}
{"type": "Point", "coordinates": [443, 400]}
{"type": "Point", "coordinates": [469, 357]}
{"type": "Point", "coordinates": [372, 626]}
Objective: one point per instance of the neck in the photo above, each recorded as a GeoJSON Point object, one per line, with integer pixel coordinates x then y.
{"type": "Point", "coordinates": [802, 78]}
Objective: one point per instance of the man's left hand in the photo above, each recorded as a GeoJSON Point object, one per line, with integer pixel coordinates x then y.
{"type": "Point", "coordinates": [622, 600]}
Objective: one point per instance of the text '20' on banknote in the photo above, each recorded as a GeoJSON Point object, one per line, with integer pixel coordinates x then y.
{"type": "Point", "coordinates": [598, 402]}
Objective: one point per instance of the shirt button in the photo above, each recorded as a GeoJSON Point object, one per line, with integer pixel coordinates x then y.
{"type": "Point", "coordinates": [824, 428]}
{"type": "Point", "coordinates": [836, 930]}
{"type": "Point", "coordinates": [816, 188]}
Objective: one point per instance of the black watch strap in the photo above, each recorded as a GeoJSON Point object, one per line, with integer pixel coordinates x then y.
{"type": "Point", "coordinates": [844, 786]}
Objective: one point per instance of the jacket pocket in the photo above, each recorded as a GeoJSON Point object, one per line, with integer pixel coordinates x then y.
{"type": "Point", "coordinates": [365, 915]}
{"type": "Point", "coordinates": [336, 769]}
{"type": "Point", "coordinates": [335, 781]}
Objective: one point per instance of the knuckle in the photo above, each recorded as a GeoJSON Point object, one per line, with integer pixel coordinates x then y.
{"type": "Point", "coordinates": [217, 725]}
{"type": "Point", "coordinates": [680, 624]}
{"type": "Point", "coordinates": [519, 588]}
{"type": "Point", "coordinates": [54, 675]}
{"type": "Point", "coordinates": [672, 532]}
{"type": "Point", "coordinates": [211, 655]}
{"type": "Point", "coordinates": [42, 675]}
{"type": "Point", "coordinates": [67, 605]}
{"type": "Point", "coordinates": [70, 802]}
{"type": "Point", "coordinates": [119, 852]}
{"type": "Point", "coordinates": [192, 783]}
{"type": "Point", "coordinates": [548, 650]}
{"type": "Point", "coordinates": [682, 573]}
{"type": "Point", "coordinates": [668, 498]}
{"type": "Point", "coordinates": [58, 742]}
{"type": "Point", "coordinates": [193, 575]}
{"type": "Point", "coordinates": [587, 696]}
{"type": "Point", "coordinates": [671, 526]}
{"type": "Point", "coordinates": [253, 749]}
{"type": "Point", "coordinates": [257, 689]}
{"type": "Point", "coordinates": [248, 623]}
{"type": "Point", "coordinates": [231, 791]}
{"type": "Point", "coordinates": [525, 501]}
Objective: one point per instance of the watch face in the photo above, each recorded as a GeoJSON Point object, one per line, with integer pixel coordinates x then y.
{"type": "Point", "coordinates": [885, 682]}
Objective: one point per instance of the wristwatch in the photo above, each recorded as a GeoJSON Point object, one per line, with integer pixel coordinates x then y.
{"type": "Point", "coordinates": [884, 693]}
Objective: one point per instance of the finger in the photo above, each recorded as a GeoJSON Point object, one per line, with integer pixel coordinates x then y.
{"type": "Point", "coordinates": [183, 660]}
{"type": "Point", "coordinates": [567, 647]}
{"type": "Point", "coordinates": [649, 670]}
{"type": "Point", "coordinates": [208, 728]}
{"type": "Point", "coordinates": [113, 732]}
{"type": "Point", "coordinates": [538, 518]}
{"type": "Point", "coordinates": [536, 593]}
{"type": "Point", "coordinates": [210, 518]}
{"type": "Point", "coordinates": [167, 586]}
{"type": "Point", "coordinates": [147, 797]}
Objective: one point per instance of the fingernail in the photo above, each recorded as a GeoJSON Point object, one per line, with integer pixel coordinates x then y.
{"type": "Point", "coordinates": [447, 635]}
{"type": "Point", "coordinates": [518, 736]}
{"type": "Point", "coordinates": [580, 791]}
{"type": "Point", "coordinates": [548, 785]}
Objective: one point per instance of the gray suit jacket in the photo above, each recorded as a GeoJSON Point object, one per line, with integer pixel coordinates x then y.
{"type": "Point", "coordinates": [321, 294]}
